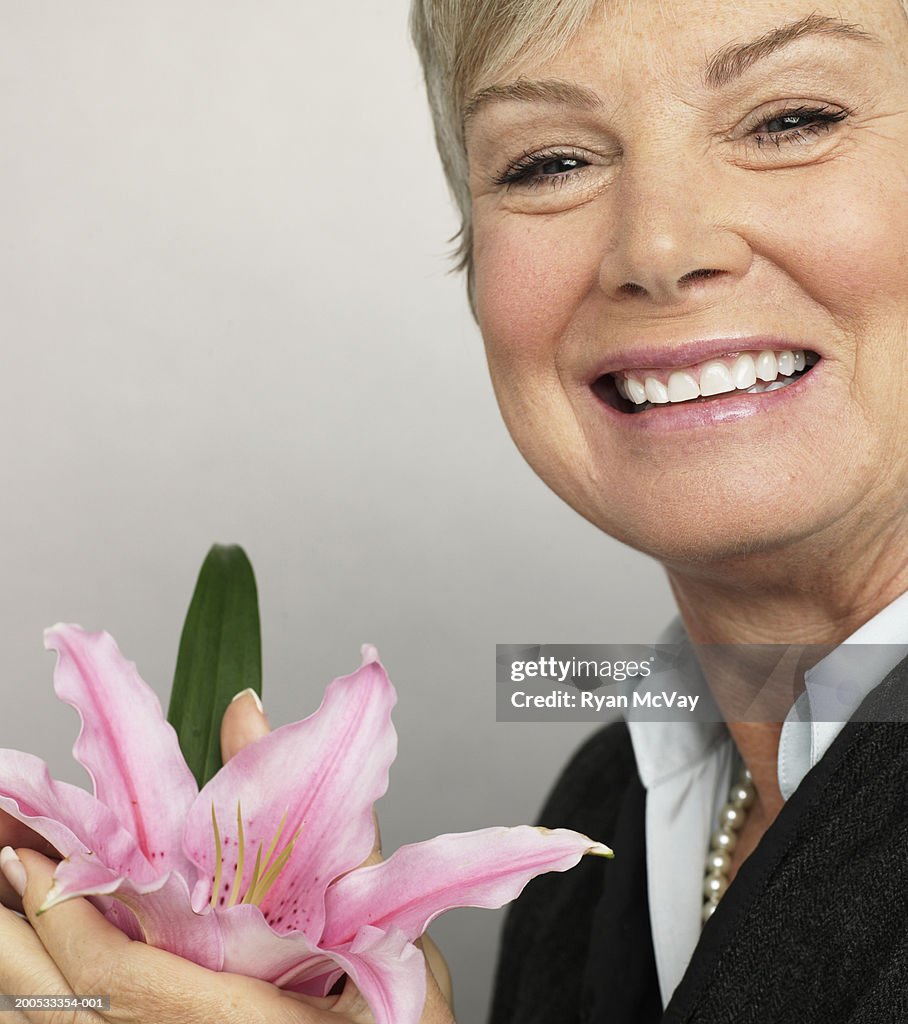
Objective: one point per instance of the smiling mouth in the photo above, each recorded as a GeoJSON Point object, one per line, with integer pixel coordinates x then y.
{"type": "Point", "coordinates": [739, 373]}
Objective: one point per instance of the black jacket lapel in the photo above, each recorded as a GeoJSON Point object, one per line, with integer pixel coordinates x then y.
{"type": "Point", "coordinates": [621, 985]}
{"type": "Point", "coordinates": [815, 926]}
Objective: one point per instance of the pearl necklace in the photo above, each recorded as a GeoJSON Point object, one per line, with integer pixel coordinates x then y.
{"type": "Point", "coordinates": [724, 840]}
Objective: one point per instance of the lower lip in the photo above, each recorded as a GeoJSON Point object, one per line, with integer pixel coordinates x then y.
{"type": "Point", "coordinates": [692, 416]}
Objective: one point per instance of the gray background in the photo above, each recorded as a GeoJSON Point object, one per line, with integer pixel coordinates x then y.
{"type": "Point", "coordinates": [226, 316]}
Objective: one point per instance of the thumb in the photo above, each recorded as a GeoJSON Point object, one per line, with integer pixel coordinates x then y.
{"type": "Point", "coordinates": [14, 834]}
{"type": "Point", "coordinates": [243, 723]}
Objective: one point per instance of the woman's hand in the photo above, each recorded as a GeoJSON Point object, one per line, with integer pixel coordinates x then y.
{"type": "Point", "coordinates": [73, 949]}
{"type": "Point", "coordinates": [14, 833]}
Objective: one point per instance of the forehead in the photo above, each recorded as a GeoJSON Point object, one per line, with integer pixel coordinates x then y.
{"type": "Point", "coordinates": [641, 36]}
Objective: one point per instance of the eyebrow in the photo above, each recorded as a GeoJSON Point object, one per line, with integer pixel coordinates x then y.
{"type": "Point", "coordinates": [732, 61]}
{"type": "Point", "coordinates": [549, 90]}
{"type": "Point", "coordinates": [721, 68]}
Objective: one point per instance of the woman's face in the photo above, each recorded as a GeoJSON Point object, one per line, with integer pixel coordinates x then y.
{"type": "Point", "coordinates": [683, 190]}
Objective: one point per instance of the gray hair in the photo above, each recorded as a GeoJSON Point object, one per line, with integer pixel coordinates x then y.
{"type": "Point", "coordinates": [460, 41]}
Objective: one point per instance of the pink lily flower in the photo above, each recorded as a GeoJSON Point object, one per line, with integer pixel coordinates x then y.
{"type": "Point", "coordinates": [258, 873]}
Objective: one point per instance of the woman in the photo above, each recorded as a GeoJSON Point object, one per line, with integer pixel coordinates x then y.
{"type": "Point", "coordinates": [665, 207]}
{"type": "Point", "coordinates": [684, 201]}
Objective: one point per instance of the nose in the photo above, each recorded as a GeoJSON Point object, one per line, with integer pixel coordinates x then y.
{"type": "Point", "coordinates": [672, 231]}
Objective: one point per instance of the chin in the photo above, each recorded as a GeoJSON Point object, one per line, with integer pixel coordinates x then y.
{"type": "Point", "coordinates": [721, 528]}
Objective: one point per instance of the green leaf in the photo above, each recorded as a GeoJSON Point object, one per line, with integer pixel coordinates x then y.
{"type": "Point", "coordinates": [220, 655]}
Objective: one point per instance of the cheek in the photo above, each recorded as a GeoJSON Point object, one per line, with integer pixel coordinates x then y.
{"type": "Point", "coordinates": [846, 239]}
{"type": "Point", "coordinates": [532, 274]}
{"type": "Point", "coordinates": [846, 247]}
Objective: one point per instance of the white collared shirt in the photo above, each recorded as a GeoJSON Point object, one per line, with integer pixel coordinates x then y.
{"type": "Point", "coordinates": [686, 768]}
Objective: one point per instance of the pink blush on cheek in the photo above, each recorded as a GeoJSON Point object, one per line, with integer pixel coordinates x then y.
{"type": "Point", "coordinates": [530, 283]}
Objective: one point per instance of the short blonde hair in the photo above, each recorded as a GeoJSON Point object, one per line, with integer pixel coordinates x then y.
{"type": "Point", "coordinates": [461, 41]}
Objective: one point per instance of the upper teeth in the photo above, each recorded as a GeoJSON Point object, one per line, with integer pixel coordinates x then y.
{"type": "Point", "coordinates": [732, 373]}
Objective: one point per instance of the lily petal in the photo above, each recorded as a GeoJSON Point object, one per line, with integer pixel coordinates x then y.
{"type": "Point", "coordinates": [252, 947]}
{"type": "Point", "coordinates": [160, 908]}
{"type": "Point", "coordinates": [70, 819]}
{"type": "Point", "coordinates": [312, 980]}
{"type": "Point", "coordinates": [119, 916]}
{"type": "Point", "coordinates": [486, 868]}
{"type": "Point", "coordinates": [312, 783]}
{"type": "Point", "coordinates": [131, 753]}
{"type": "Point", "coordinates": [389, 972]}
{"type": "Point", "coordinates": [85, 874]}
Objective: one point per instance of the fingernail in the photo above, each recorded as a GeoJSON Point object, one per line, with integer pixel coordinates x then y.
{"type": "Point", "coordinates": [13, 869]}
{"type": "Point", "coordinates": [250, 693]}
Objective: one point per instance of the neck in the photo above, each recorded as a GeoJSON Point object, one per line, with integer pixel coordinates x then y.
{"type": "Point", "coordinates": [811, 596]}
{"type": "Point", "coordinates": [771, 616]}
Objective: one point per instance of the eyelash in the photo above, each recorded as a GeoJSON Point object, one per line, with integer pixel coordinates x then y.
{"type": "Point", "coordinates": [820, 120]}
{"type": "Point", "coordinates": [520, 171]}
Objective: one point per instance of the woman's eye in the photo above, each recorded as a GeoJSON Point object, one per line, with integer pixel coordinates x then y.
{"type": "Point", "coordinates": [786, 122]}
{"type": "Point", "coordinates": [540, 169]}
{"type": "Point", "coordinates": [559, 165]}
{"type": "Point", "coordinates": [797, 125]}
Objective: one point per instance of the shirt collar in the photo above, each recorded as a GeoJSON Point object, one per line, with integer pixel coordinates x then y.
{"type": "Point", "coordinates": [835, 687]}
{"type": "Point", "coordinates": [663, 749]}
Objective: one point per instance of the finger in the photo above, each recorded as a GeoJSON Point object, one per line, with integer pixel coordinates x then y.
{"type": "Point", "coordinates": [439, 1006]}
{"type": "Point", "coordinates": [347, 1002]}
{"type": "Point", "coordinates": [83, 945]}
{"type": "Point", "coordinates": [97, 959]}
{"type": "Point", "coordinates": [27, 970]}
{"type": "Point", "coordinates": [243, 723]}
{"type": "Point", "coordinates": [25, 967]}
{"type": "Point", "coordinates": [14, 833]}
{"type": "Point", "coordinates": [438, 967]}
{"type": "Point", "coordinates": [351, 1005]}
{"type": "Point", "coordinates": [144, 984]}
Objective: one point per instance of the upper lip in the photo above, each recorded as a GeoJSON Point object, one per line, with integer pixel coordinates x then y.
{"type": "Point", "coordinates": [688, 353]}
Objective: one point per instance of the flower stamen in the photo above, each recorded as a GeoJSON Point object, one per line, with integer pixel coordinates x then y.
{"type": "Point", "coordinates": [271, 874]}
{"type": "Point", "coordinates": [241, 861]}
{"type": "Point", "coordinates": [264, 871]}
{"type": "Point", "coordinates": [218, 858]}
{"type": "Point", "coordinates": [253, 882]}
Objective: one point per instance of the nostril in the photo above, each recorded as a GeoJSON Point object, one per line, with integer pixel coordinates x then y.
{"type": "Point", "coordinates": [632, 288]}
{"type": "Point", "coordinates": [698, 275]}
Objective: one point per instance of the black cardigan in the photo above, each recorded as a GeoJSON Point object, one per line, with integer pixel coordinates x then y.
{"type": "Point", "coordinates": [813, 930]}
